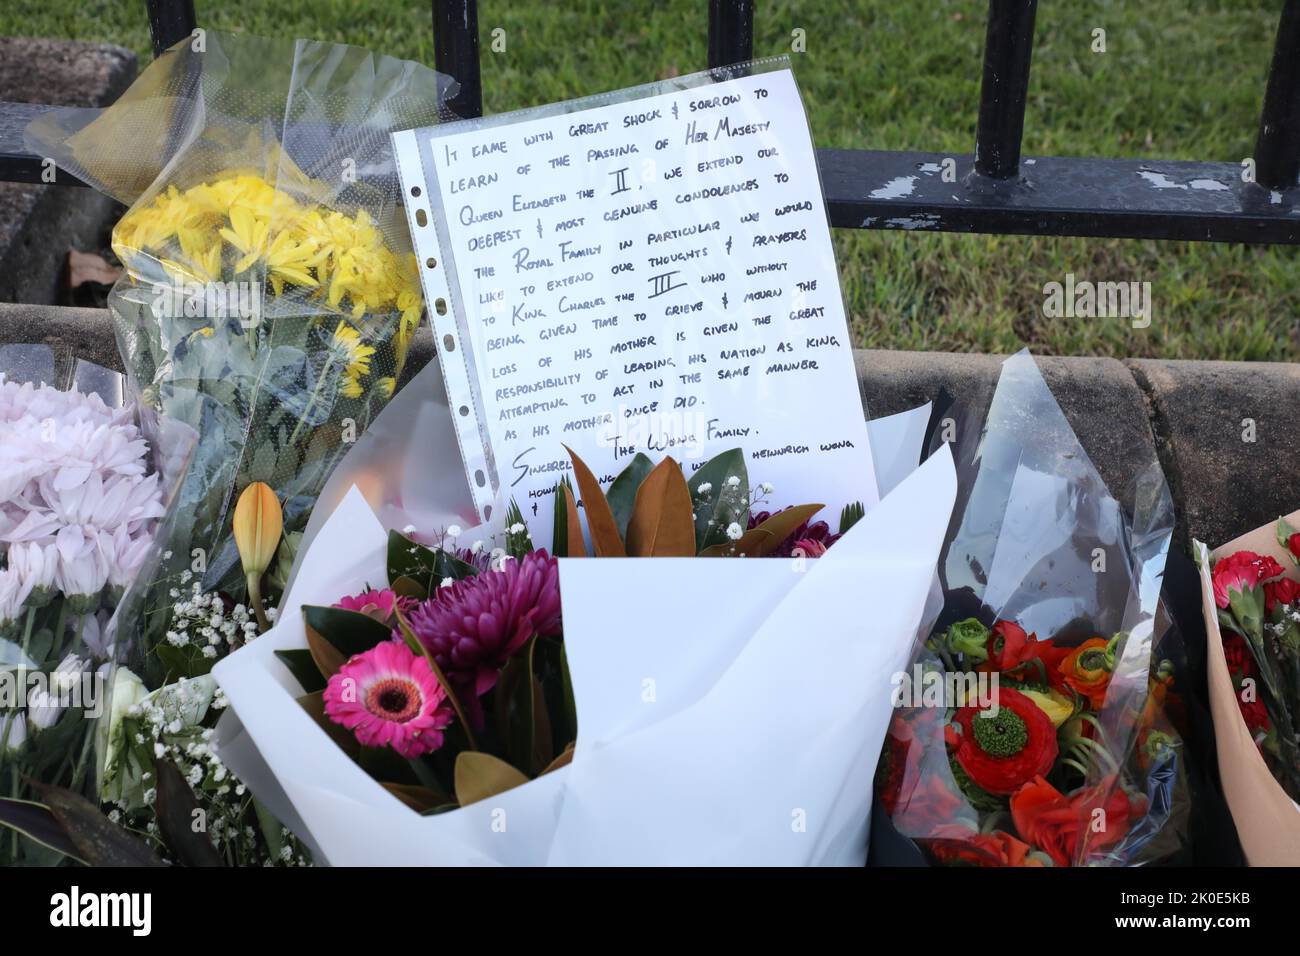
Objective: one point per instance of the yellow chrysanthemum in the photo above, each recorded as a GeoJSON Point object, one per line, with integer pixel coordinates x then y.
{"type": "Point", "coordinates": [355, 353]}
{"type": "Point", "coordinates": [239, 222]}
{"type": "Point", "coordinates": [351, 386]}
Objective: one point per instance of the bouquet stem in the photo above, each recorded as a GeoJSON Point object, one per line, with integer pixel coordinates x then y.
{"type": "Point", "coordinates": [27, 629]}
{"type": "Point", "coordinates": [255, 599]}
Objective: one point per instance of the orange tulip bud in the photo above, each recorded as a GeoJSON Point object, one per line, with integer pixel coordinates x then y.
{"type": "Point", "coordinates": [258, 524]}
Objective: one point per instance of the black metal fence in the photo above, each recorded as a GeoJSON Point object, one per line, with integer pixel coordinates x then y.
{"type": "Point", "coordinates": [992, 190]}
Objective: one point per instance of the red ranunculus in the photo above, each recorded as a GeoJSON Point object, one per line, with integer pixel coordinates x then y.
{"type": "Point", "coordinates": [982, 849]}
{"type": "Point", "coordinates": [1001, 752]}
{"type": "Point", "coordinates": [1065, 828]}
{"type": "Point", "coordinates": [1283, 591]}
{"type": "Point", "coordinates": [1293, 545]}
{"type": "Point", "coordinates": [920, 800]}
{"type": "Point", "coordinates": [1241, 571]}
{"type": "Point", "coordinates": [1010, 649]}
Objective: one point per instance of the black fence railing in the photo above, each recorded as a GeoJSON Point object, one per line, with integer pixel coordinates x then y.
{"type": "Point", "coordinates": [993, 190]}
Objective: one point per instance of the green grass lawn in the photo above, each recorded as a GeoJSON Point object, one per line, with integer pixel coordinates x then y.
{"type": "Point", "coordinates": [1181, 79]}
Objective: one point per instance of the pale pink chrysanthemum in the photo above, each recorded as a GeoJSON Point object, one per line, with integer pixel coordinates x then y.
{"type": "Point", "coordinates": [388, 697]}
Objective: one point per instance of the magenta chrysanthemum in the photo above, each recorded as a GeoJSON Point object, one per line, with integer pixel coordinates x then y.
{"type": "Point", "coordinates": [473, 626]}
{"type": "Point", "coordinates": [388, 697]}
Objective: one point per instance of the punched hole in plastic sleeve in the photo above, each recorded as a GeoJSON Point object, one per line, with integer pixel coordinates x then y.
{"type": "Point", "coordinates": [435, 282]}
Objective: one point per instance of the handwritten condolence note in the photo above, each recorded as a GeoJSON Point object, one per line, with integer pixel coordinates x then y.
{"type": "Point", "coordinates": [650, 274]}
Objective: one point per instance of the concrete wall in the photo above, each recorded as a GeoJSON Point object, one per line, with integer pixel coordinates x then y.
{"type": "Point", "coordinates": [1223, 431]}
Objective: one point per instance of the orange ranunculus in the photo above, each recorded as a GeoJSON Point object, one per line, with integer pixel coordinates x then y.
{"type": "Point", "coordinates": [1063, 827]}
{"type": "Point", "coordinates": [1087, 671]}
{"type": "Point", "coordinates": [983, 849]}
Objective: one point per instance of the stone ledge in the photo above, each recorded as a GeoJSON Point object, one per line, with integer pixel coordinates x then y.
{"type": "Point", "coordinates": [1191, 413]}
{"type": "Point", "coordinates": [1205, 415]}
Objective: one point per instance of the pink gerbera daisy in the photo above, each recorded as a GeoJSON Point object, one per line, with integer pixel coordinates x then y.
{"type": "Point", "coordinates": [388, 697]}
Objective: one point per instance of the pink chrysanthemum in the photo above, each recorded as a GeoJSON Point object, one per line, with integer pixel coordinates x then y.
{"type": "Point", "coordinates": [388, 697]}
{"type": "Point", "coordinates": [473, 626]}
{"type": "Point", "coordinates": [375, 603]}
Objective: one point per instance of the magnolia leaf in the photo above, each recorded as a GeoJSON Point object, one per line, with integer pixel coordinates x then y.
{"type": "Point", "coordinates": [560, 524]}
{"type": "Point", "coordinates": [98, 840]}
{"type": "Point", "coordinates": [521, 714]}
{"type": "Point", "coordinates": [314, 704]}
{"type": "Point", "coordinates": [329, 660]}
{"type": "Point", "coordinates": [542, 746]}
{"type": "Point", "coordinates": [302, 665]}
{"type": "Point", "coordinates": [605, 539]}
{"type": "Point", "coordinates": [723, 504]}
{"type": "Point", "coordinates": [746, 546]}
{"type": "Point", "coordinates": [351, 632]}
{"type": "Point", "coordinates": [623, 489]}
{"type": "Point", "coordinates": [37, 823]}
{"type": "Point", "coordinates": [779, 527]}
{"type": "Point", "coordinates": [662, 524]}
{"type": "Point", "coordinates": [568, 705]}
{"type": "Point", "coordinates": [563, 760]}
{"type": "Point", "coordinates": [577, 547]}
{"type": "Point", "coordinates": [417, 646]}
{"type": "Point", "coordinates": [407, 586]}
{"type": "Point", "coordinates": [418, 798]}
{"type": "Point", "coordinates": [428, 566]}
{"type": "Point", "coordinates": [480, 775]}
{"type": "Point", "coordinates": [176, 810]}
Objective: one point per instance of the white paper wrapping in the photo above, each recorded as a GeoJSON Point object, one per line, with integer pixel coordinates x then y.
{"type": "Point", "coordinates": [731, 711]}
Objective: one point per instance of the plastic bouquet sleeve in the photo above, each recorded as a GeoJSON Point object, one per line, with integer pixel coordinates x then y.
{"type": "Point", "coordinates": [86, 481]}
{"type": "Point", "coordinates": [1267, 820]}
{"type": "Point", "coordinates": [269, 293]}
{"type": "Point", "coordinates": [1051, 608]}
{"type": "Point", "coordinates": [742, 748]}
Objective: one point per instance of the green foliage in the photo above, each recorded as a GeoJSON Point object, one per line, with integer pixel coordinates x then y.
{"type": "Point", "coordinates": [868, 83]}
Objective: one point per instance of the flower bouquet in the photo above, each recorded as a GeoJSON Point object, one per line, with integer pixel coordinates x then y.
{"type": "Point", "coordinates": [269, 293]}
{"type": "Point", "coordinates": [421, 701]}
{"type": "Point", "coordinates": [84, 484]}
{"type": "Point", "coordinates": [1250, 590]}
{"type": "Point", "coordinates": [1036, 725]}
